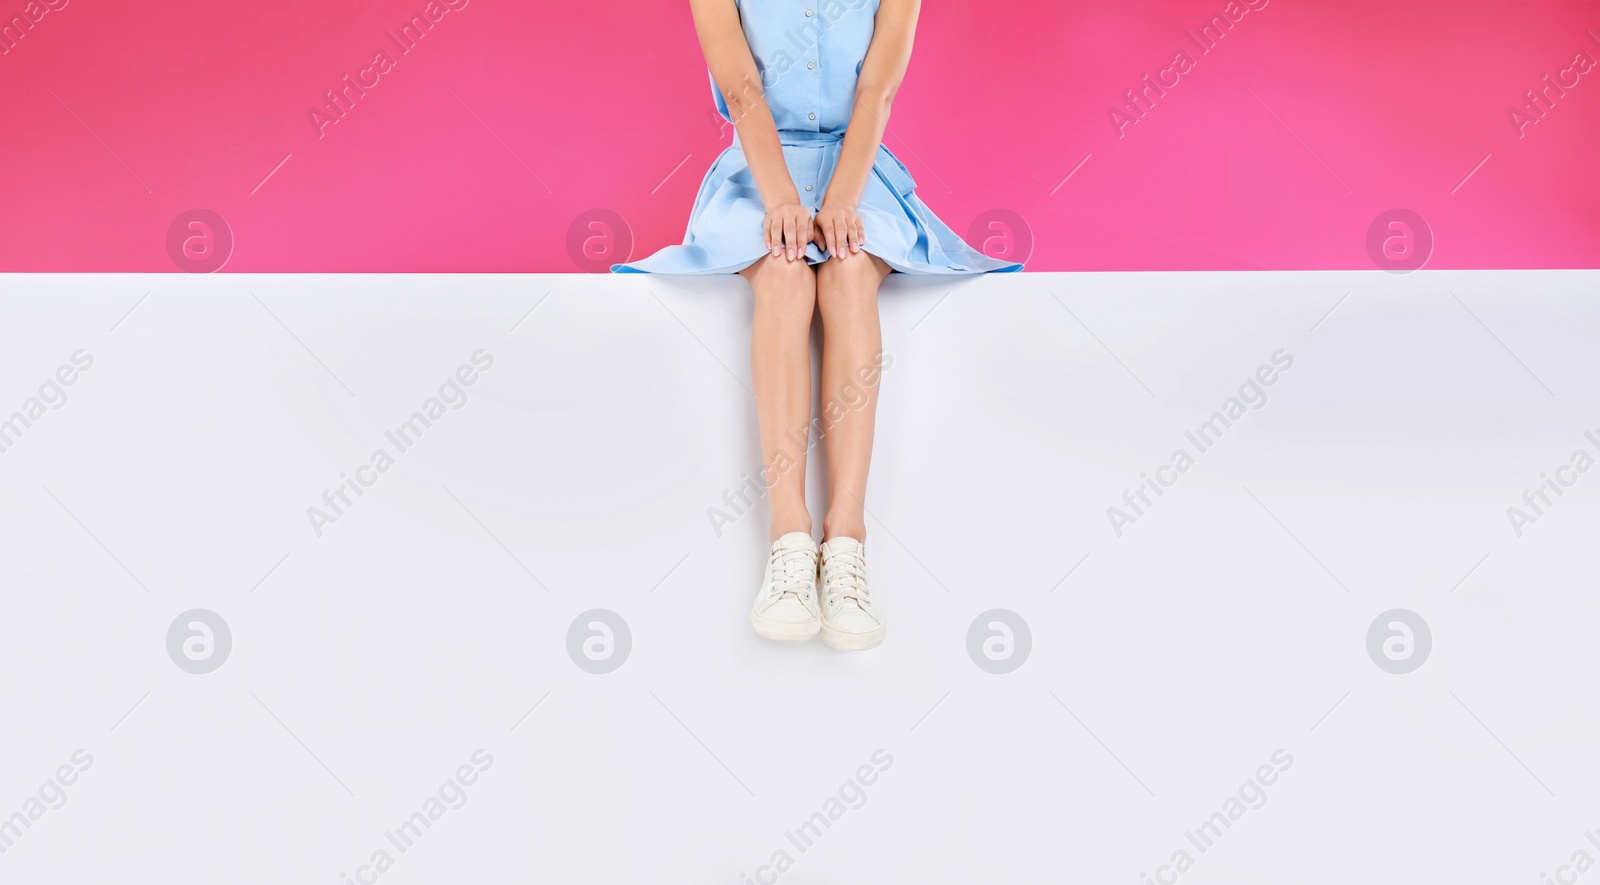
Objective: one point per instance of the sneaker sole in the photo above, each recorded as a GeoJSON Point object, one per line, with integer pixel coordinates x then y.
{"type": "Point", "coordinates": [852, 641]}
{"type": "Point", "coordinates": [784, 631]}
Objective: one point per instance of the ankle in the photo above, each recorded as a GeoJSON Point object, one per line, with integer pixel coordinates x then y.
{"type": "Point", "coordinates": [783, 525]}
{"type": "Point", "coordinates": [844, 528]}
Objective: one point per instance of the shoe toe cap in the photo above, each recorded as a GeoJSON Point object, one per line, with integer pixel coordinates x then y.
{"type": "Point", "coordinates": [850, 619]}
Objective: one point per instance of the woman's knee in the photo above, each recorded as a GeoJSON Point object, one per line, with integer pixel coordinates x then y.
{"type": "Point", "coordinates": [779, 280]}
{"type": "Point", "coordinates": [849, 285]}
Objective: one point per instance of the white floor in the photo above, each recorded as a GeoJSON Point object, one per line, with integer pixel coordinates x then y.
{"type": "Point", "coordinates": [1224, 630]}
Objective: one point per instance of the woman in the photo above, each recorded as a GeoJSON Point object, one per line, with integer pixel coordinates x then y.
{"type": "Point", "coordinates": [811, 208]}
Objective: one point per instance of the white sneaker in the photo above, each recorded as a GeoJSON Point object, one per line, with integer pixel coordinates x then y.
{"type": "Point", "coordinates": [850, 619]}
{"type": "Point", "coordinates": [786, 605]}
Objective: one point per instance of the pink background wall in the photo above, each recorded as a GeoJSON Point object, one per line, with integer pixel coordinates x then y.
{"type": "Point", "coordinates": [513, 119]}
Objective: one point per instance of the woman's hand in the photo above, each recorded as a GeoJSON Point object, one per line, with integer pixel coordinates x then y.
{"type": "Point", "coordinates": [788, 228]}
{"type": "Point", "coordinates": [839, 230]}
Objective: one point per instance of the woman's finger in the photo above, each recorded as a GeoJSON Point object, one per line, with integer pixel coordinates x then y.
{"type": "Point", "coordinates": [789, 233]}
{"type": "Point", "coordinates": [830, 230]}
{"type": "Point", "coordinates": [774, 236]}
{"type": "Point", "coordinates": [858, 234]}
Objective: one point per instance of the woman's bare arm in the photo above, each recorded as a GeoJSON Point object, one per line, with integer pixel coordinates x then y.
{"type": "Point", "coordinates": [788, 223]}
{"type": "Point", "coordinates": [838, 225]}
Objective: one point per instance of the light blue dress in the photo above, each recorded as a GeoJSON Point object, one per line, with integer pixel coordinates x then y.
{"type": "Point", "coordinates": [809, 53]}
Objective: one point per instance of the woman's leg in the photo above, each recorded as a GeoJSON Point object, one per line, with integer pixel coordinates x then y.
{"type": "Point", "coordinates": [780, 367]}
{"type": "Point", "coordinates": [852, 346]}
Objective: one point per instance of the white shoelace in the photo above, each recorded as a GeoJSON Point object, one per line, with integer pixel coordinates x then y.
{"type": "Point", "coordinates": [793, 571]}
{"type": "Point", "coordinates": [846, 574]}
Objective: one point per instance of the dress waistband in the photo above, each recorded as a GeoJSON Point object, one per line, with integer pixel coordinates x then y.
{"type": "Point", "coordinates": [802, 138]}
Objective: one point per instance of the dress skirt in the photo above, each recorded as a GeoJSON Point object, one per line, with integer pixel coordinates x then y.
{"type": "Point", "coordinates": [725, 232]}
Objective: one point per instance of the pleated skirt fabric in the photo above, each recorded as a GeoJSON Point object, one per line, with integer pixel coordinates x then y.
{"type": "Point", "coordinates": [725, 232]}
